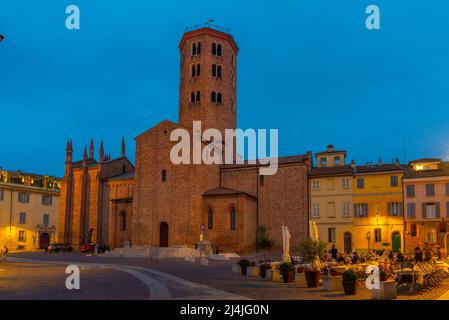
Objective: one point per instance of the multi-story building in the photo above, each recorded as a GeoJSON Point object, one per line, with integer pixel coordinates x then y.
{"type": "Point", "coordinates": [378, 207]}
{"type": "Point", "coordinates": [426, 199]}
{"type": "Point", "coordinates": [331, 204]}
{"type": "Point", "coordinates": [29, 210]}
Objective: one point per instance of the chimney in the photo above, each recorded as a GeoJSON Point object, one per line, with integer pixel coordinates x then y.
{"type": "Point", "coordinates": [397, 162]}
{"type": "Point", "coordinates": [330, 148]}
{"type": "Point", "coordinates": [353, 164]}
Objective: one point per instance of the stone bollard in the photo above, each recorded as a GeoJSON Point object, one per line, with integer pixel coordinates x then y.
{"type": "Point", "coordinates": [252, 272]}
{"type": "Point", "coordinates": [300, 279]}
{"type": "Point", "coordinates": [276, 277]}
{"type": "Point", "coordinates": [387, 291]}
{"type": "Point", "coordinates": [333, 283]}
{"type": "Point", "coordinates": [236, 269]}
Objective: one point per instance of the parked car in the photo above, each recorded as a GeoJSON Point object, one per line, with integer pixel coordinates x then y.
{"type": "Point", "coordinates": [87, 248]}
{"type": "Point", "coordinates": [57, 247]}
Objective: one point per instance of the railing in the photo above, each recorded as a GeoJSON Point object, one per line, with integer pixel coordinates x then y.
{"type": "Point", "coordinates": [208, 24]}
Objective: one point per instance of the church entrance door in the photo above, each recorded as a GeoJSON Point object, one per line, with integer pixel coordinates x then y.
{"type": "Point", "coordinates": [163, 236]}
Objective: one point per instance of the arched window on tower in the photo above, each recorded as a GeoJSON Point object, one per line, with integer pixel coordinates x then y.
{"type": "Point", "coordinates": [219, 50]}
{"type": "Point", "coordinates": [218, 71]}
{"type": "Point", "coordinates": [193, 49]}
{"type": "Point", "coordinates": [214, 70]}
{"type": "Point", "coordinates": [198, 48]}
{"type": "Point", "coordinates": [233, 219]}
{"type": "Point", "coordinates": [123, 221]}
{"type": "Point", "coordinates": [214, 49]}
{"type": "Point", "coordinates": [210, 219]}
{"type": "Point", "coordinates": [192, 97]}
{"type": "Point", "coordinates": [164, 175]}
{"type": "Point", "coordinates": [193, 71]}
{"type": "Point", "coordinates": [213, 96]}
{"type": "Point", "coordinates": [198, 96]}
{"type": "Point", "coordinates": [219, 98]}
{"type": "Point", "coordinates": [198, 70]}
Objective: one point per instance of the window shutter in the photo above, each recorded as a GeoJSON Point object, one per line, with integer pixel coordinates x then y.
{"type": "Point", "coordinates": [390, 208]}
{"type": "Point", "coordinates": [355, 210]}
{"type": "Point", "coordinates": [400, 208]}
{"type": "Point", "coordinates": [437, 210]}
{"type": "Point", "coordinates": [424, 211]}
{"type": "Point", "coordinates": [447, 209]}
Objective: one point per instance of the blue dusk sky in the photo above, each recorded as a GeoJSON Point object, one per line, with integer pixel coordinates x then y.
{"type": "Point", "coordinates": [309, 68]}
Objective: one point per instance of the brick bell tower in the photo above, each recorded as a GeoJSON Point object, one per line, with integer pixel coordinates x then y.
{"type": "Point", "coordinates": [207, 90]}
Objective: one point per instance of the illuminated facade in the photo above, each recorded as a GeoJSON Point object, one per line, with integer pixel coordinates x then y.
{"type": "Point", "coordinates": [29, 210]}
{"type": "Point", "coordinates": [331, 200]}
{"type": "Point", "coordinates": [426, 199]}
{"type": "Point", "coordinates": [378, 207]}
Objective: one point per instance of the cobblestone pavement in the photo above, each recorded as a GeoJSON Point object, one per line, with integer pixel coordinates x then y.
{"type": "Point", "coordinates": [218, 275]}
{"type": "Point", "coordinates": [30, 281]}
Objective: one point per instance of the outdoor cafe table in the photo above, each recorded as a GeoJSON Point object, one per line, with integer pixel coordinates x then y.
{"type": "Point", "coordinates": [417, 275]}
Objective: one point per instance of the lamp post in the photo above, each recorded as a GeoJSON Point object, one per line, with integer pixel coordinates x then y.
{"type": "Point", "coordinates": [368, 237]}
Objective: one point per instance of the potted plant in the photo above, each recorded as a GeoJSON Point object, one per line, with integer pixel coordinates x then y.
{"type": "Point", "coordinates": [244, 264]}
{"type": "Point", "coordinates": [349, 282]}
{"type": "Point", "coordinates": [287, 270]}
{"type": "Point", "coordinates": [263, 269]}
{"type": "Point", "coordinates": [311, 251]}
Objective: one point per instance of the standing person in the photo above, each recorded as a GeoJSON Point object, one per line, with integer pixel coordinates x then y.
{"type": "Point", "coordinates": [334, 252]}
{"type": "Point", "coordinates": [428, 254]}
{"type": "Point", "coordinates": [4, 253]}
{"type": "Point", "coordinates": [440, 253]}
{"type": "Point", "coordinates": [391, 256]}
{"type": "Point", "coordinates": [418, 254]}
{"type": "Point", "coordinates": [355, 258]}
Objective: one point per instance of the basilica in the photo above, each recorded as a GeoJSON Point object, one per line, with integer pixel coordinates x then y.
{"type": "Point", "coordinates": [158, 203]}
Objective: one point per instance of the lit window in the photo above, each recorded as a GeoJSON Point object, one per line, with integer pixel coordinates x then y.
{"type": "Point", "coordinates": [331, 235]}
{"type": "Point", "coordinates": [316, 210]}
{"type": "Point", "coordinates": [22, 236]}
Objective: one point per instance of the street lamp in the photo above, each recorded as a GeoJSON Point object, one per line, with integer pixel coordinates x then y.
{"type": "Point", "coordinates": [368, 237]}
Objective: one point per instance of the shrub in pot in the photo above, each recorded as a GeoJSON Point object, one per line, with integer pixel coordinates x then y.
{"type": "Point", "coordinates": [263, 269]}
{"type": "Point", "coordinates": [244, 264]}
{"type": "Point", "coordinates": [312, 251]}
{"type": "Point", "coordinates": [349, 282]}
{"type": "Point", "coordinates": [287, 269]}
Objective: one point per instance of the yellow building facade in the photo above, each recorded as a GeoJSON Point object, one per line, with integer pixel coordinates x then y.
{"type": "Point", "coordinates": [29, 210]}
{"type": "Point", "coordinates": [378, 207]}
{"type": "Point", "coordinates": [331, 199]}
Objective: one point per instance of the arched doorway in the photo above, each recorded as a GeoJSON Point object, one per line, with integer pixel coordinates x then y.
{"type": "Point", "coordinates": [163, 235]}
{"type": "Point", "coordinates": [347, 242]}
{"type": "Point", "coordinates": [44, 240]}
{"type": "Point", "coordinates": [396, 242]}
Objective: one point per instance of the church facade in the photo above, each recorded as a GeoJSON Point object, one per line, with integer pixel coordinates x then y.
{"type": "Point", "coordinates": [160, 203]}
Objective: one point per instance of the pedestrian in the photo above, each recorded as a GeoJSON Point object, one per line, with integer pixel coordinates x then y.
{"type": "Point", "coordinates": [355, 257]}
{"type": "Point", "coordinates": [428, 254]}
{"type": "Point", "coordinates": [391, 256]}
{"type": "Point", "coordinates": [4, 253]}
{"type": "Point", "coordinates": [334, 252]}
{"type": "Point", "coordinates": [418, 254]}
{"type": "Point", "coordinates": [341, 259]}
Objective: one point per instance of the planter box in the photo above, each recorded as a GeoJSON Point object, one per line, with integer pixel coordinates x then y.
{"type": "Point", "coordinates": [276, 276]}
{"type": "Point", "coordinates": [269, 274]}
{"type": "Point", "coordinates": [253, 272]}
{"type": "Point", "coordinates": [387, 291]}
{"type": "Point", "coordinates": [332, 283]}
{"type": "Point", "coordinates": [236, 269]}
{"type": "Point", "coordinates": [300, 279]}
